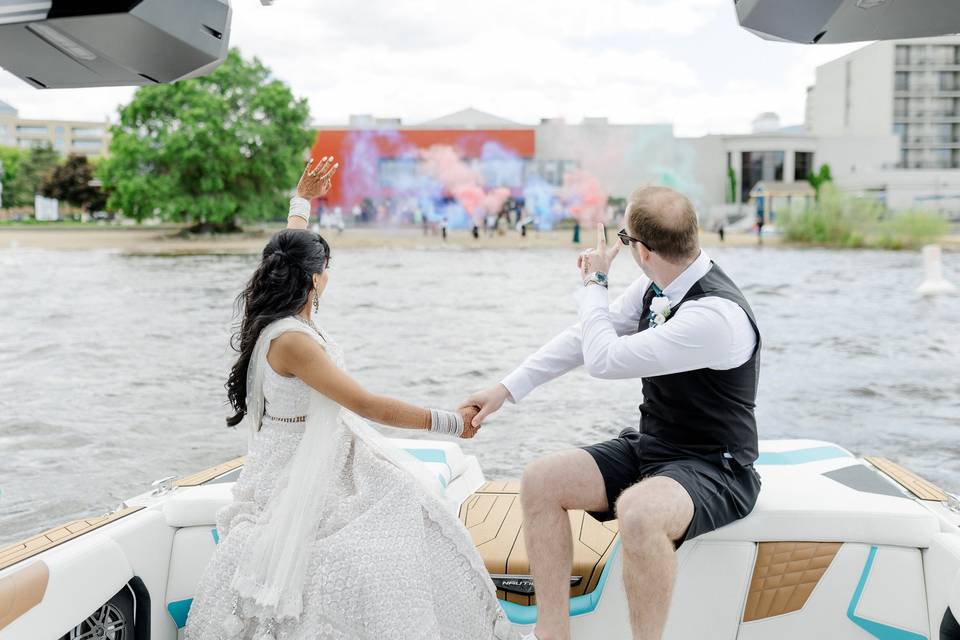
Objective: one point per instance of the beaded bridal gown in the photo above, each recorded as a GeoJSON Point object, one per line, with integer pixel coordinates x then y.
{"type": "Point", "coordinates": [384, 558]}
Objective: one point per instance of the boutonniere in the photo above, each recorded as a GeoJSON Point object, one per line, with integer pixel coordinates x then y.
{"type": "Point", "coordinates": [659, 310]}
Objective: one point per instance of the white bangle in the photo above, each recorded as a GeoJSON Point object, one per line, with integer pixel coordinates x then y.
{"type": "Point", "coordinates": [300, 208]}
{"type": "Point", "coordinates": [446, 422]}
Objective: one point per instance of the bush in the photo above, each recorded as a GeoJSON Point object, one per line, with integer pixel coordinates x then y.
{"type": "Point", "coordinates": [841, 220]}
{"type": "Point", "coordinates": [911, 229]}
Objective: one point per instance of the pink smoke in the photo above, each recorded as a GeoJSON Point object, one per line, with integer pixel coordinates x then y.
{"type": "Point", "coordinates": [464, 183]}
{"type": "Point", "coordinates": [586, 199]}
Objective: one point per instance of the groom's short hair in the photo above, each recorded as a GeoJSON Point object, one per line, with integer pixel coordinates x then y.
{"type": "Point", "coordinates": [666, 221]}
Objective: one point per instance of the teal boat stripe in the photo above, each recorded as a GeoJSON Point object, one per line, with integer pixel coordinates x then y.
{"type": "Point", "coordinates": [179, 610]}
{"type": "Point", "coordinates": [216, 536]}
{"type": "Point", "coordinates": [431, 455]}
{"type": "Point", "coordinates": [801, 456]}
{"type": "Point", "coordinates": [579, 605]}
{"type": "Point", "coordinates": [874, 628]}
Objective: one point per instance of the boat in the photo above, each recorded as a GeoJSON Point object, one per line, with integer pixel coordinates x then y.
{"type": "Point", "coordinates": [837, 547]}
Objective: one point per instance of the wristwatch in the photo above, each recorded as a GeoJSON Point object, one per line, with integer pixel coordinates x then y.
{"type": "Point", "coordinates": [598, 277]}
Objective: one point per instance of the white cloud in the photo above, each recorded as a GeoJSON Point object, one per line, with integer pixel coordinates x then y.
{"type": "Point", "coordinates": [631, 60]}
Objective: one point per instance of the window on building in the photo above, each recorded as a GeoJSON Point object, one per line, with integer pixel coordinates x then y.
{"type": "Point", "coordinates": [915, 159]}
{"type": "Point", "coordinates": [32, 130]}
{"type": "Point", "coordinates": [942, 107]}
{"type": "Point", "coordinates": [942, 158]}
{"type": "Point", "coordinates": [88, 132]}
{"type": "Point", "coordinates": [949, 81]}
{"type": "Point", "coordinates": [919, 80]}
{"type": "Point", "coordinates": [87, 145]}
{"type": "Point", "coordinates": [802, 165]}
{"type": "Point", "coordinates": [901, 80]}
{"type": "Point", "coordinates": [900, 106]}
{"type": "Point", "coordinates": [757, 166]}
{"type": "Point", "coordinates": [942, 133]}
{"type": "Point", "coordinates": [903, 54]}
{"type": "Point", "coordinates": [943, 54]}
{"type": "Point", "coordinates": [900, 128]}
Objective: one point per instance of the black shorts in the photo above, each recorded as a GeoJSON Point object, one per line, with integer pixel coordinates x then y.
{"type": "Point", "coordinates": [721, 489]}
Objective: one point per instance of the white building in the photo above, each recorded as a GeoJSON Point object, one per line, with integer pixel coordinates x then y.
{"type": "Point", "coordinates": [65, 136]}
{"type": "Point", "coordinates": [909, 89]}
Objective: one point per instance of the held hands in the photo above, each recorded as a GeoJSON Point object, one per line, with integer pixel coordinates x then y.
{"type": "Point", "coordinates": [487, 401]}
{"type": "Point", "coordinates": [468, 414]}
{"type": "Point", "coordinates": [316, 181]}
{"type": "Point", "coordinates": [599, 259]}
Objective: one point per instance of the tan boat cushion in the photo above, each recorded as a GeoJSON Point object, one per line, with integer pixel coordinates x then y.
{"type": "Point", "coordinates": [494, 518]}
{"type": "Point", "coordinates": [784, 576]}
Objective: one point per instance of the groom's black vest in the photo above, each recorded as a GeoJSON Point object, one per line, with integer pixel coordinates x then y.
{"type": "Point", "coordinates": [706, 408]}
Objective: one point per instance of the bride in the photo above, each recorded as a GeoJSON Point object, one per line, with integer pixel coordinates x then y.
{"type": "Point", "coordinates": [333, 532]}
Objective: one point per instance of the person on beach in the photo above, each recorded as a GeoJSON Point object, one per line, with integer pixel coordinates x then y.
{"type": "Point", "coordinates": [687, 334]}
{"type": "Point", "coordinates": [333, 532]}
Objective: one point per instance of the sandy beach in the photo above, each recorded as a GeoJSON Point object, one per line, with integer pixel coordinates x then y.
{"type": "Point", "coordinates": [167, 239]}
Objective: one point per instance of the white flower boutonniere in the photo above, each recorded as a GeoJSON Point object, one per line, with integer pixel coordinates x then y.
{"type": "Point", "coordinates": [659, 310]}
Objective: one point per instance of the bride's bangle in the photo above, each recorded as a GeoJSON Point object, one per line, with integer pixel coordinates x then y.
{"type": "Point", "coordinates": [446, 422]}
{"type": "Point", "coordinates": [300, 208]}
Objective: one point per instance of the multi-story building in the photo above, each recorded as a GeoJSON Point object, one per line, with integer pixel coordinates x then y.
{"type": "Point", "coordinates": [907, 88]}
{"type": "Point", "coordinates": [66, 136]}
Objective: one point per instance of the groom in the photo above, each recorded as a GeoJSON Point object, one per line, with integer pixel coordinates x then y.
{"type": "Point", "coordinates": [688, 334]}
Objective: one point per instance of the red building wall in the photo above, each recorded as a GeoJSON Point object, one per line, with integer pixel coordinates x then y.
{"type": "Point", "coordinates": [355, 150]}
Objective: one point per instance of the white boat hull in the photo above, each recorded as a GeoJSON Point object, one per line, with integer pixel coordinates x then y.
{"type": "Point", "coordinates": [834, 548]}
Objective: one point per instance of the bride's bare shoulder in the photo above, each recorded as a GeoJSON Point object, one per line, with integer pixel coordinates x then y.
{"type": "Point", "coordinates": [293, 347]}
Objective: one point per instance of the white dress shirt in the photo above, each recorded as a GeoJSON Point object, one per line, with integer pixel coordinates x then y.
{"type": "Point", "coordinates": [708, 333]}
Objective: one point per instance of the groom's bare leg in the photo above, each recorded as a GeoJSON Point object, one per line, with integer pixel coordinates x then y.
{"type": "Point", "coordinates": [651, 514]}
{"type": "Point", "coordinates": [551, 486]}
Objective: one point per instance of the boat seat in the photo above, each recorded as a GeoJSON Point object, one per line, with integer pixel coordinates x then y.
{"type": "Point", "coordinates": [444, 459]}
{"type": "Point", "coordinates": [817, 502]}
{"type": "Point", "coordinates": [195, 506]}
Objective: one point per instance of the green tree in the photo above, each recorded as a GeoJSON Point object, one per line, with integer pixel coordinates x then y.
{"type": "Point", "coordinates": [732, 183]}
{"type": "Point", "coordinates": [210, 150]}
{"type": "Point", "coordinates": [24, 172]}
{"type": "Point", "coordinates": [10, 158]}
{"type": "Point", "coordinates": [817, 180]}
{"type": "Point", "coordinates": [70, 182]}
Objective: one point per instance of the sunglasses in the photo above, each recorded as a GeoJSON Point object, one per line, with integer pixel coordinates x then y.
{"type": "Point", "coordinates": [626, 240]}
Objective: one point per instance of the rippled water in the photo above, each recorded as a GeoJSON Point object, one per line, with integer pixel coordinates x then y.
{"type": "Point", "coordinates": [111, 366]}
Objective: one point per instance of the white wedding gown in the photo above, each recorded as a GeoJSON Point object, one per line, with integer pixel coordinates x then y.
{"type": "Point", "coordinates": [387, 560]}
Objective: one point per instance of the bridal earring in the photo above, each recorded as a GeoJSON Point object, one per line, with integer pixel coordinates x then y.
{"type": "Point", "coordinates": [316, 301]}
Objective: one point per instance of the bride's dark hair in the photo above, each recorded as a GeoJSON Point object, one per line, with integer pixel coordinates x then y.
{"type": "Point", "coordinates": [280, 287]}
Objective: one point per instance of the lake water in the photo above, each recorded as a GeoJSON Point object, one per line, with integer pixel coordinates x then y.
{"type": "Point", "coordinates": [112, 366]}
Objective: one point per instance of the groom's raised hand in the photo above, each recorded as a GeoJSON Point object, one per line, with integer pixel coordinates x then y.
{"type": "Point", "coordinates": [488, 401]}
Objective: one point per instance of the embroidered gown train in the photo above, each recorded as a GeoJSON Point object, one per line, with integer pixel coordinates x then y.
{"type": "Point", "coordinates": [384, 559]}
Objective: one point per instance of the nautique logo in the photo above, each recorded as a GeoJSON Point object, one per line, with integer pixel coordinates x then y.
{"type": "Point", "coordinates": [871, 4]}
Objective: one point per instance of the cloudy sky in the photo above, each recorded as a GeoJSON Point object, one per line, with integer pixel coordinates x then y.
{"type": "Point", "coordinates": [680, 61]}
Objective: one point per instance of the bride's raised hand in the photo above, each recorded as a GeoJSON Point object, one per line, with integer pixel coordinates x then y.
{"type": "Point", "coordinates": [316, 180]}
{"type": "Point", "coordinates": [468, 414]}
